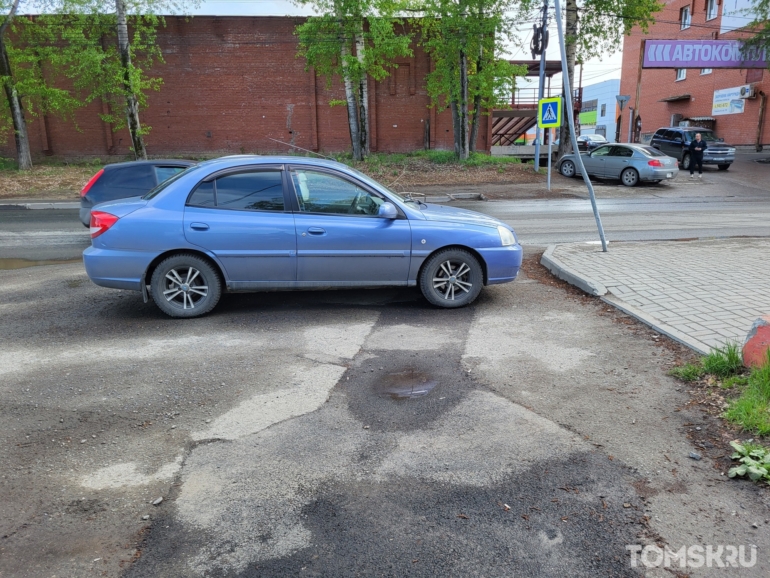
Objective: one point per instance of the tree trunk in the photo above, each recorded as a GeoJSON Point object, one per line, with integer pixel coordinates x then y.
{"type": "Point", "coordinates": [456, 126]}
{"type": "Point", "coordinates": [132, 105]}
{"type": "Point", "coordinates": [23, 154]}
{"type": "Point", "coordinates": [363, 94]}
{"type": "Point", "coordinates": [570, 41]}
{"type": "Point", "coordinates": [475, 126]}
{"type": "Point", "coordinates": [463, 108]}
{"type": "Point", "coordinates": [350, 96]}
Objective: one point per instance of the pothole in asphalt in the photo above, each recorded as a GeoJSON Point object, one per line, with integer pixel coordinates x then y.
{"type": "Point", "coordinates": [406, 384]}
{"type": "Point", "coordinates": [22, 263]}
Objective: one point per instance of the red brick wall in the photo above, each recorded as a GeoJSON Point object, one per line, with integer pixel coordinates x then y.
{"type": "Point", "coordinates": [232, 83]}
{"type": "Point", "coordinates": [739, 129]}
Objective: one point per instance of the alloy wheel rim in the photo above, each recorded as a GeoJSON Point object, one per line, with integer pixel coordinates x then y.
{"type": "Point", "coordinates": [452, 280]}
{"type": "Point", "coordinates": [629, 178]}
{"type": "Point", "coordinates": [185, 287]}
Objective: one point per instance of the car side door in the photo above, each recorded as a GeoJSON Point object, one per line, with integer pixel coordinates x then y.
{"type": "Point", "coordinates": [617, 161]}
{"type": "Point", "coordinates": [341, 239]}
{"type": "Point", "coordinates": [595, 161]}
{"type": "Point", "coordinates": [242, 217]}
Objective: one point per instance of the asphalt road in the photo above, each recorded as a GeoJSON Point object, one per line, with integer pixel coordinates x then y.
{"type": "Point", "coordinates": [57, 234]}
{"type": "Point", "coordinates": [351, 433]}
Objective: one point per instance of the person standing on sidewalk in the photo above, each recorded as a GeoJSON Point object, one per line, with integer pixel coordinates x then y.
{"type": "Point", "coordinates": [697, 147]}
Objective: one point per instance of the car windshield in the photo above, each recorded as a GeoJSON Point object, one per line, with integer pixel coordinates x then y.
{"type": "Point", "coordinates": [706, 135]}
{"type": "Point", "coordinates": [597, 137]}
{"type": "Point", "coordinates": [167, 182]}
{"type": "Point", "coordinates": [368, 180]}
{"type": "Point", "coordinates": [651, 152]}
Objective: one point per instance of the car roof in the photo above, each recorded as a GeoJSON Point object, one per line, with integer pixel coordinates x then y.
{"type": "Point", "coordinates": [236, 160]}
{"type": "Point", "coordinates": [152, 162]}
{"type": "Point", "coordinates": [685, 128]}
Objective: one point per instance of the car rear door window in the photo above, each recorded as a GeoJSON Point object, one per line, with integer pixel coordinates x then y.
{"type": "Point", "coordinates": [203, 195]}
{"type": "Point", "coordinates": [163, 173]}
{"type": "Point", "coordinates": [139, 177]}
{"type": "Point", "coordinates": [621, 152]}
{"type": "Point", "coordinates": [601, 151]}
{"type": "Point", "coordinates": [255, 191]}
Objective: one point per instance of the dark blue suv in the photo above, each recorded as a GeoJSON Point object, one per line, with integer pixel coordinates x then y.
{"type": "Point", "coordinates": [675, 141]}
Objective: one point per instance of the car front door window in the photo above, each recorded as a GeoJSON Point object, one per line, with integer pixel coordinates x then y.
{"type": "Point", "coordinates": [324, 193]}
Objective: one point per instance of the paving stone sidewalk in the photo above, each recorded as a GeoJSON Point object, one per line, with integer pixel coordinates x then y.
{"type": "Point", "coordinates": [701, 293]}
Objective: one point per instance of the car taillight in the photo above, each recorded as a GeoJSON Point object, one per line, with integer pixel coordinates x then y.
{"type": "Point", "coordinates": [100, 222]}
{"type": "Point", "coordinates": [90, 183]}
{"type": "Point", "coordinates": [655, 163]}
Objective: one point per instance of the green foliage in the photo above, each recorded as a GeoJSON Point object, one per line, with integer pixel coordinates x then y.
{"type": "Point", "coordinates": [735, 380]}
{"type": "Point", "coordinates": [724, 361]}
{"type": "Point", "coordinates": [478, 29]}
{"type": "Point", "coordinates": [688, 372]}
{"type": "Point", "coordinates": [757, 24]}
{"type": "Point", "coordinates": [754, 459]}
{"type": "Point", "coordinates": [603, 23]}
{"type": "Point", "coordinates": [751, 410]}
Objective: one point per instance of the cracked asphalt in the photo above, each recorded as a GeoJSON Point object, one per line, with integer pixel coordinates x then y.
{"type": "Point", "coordinates": [350, 433]}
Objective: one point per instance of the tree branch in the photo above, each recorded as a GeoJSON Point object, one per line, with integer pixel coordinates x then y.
{"type": "Point", "coordinates": [9, 18]}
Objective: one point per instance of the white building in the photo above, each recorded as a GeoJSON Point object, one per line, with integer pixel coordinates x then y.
{"type": "Point", "coordinates": [599, 112]}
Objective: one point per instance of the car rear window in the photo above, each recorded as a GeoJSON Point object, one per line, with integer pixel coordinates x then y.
{"type": "Point", "coordinates": [651, 152]}
{"type": "Point", "coordinates": [163, 173]}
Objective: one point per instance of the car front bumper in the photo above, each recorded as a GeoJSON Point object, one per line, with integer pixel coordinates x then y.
{"type": "Point", "coordinates": [718, 159]}
{"type": "Point", "coordinates": [503, 263]}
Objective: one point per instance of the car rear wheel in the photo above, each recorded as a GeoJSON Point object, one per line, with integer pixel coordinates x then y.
{"type": "Point", "coordinates": [451, 278]}
{"type": "Point", "coordinates": [629, 177]}
{"type": "Point", "coordinates": [567, 169]}
{"type": "Point", "coordinates": [185, 286]}
{"type": "Point", "coordinates": [723, 167]}
{"type": "Point", "coordinates": [686, 162]}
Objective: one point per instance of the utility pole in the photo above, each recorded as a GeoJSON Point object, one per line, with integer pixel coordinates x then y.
{"type": "Point", "coordinates": [539, 45]}
{"type": "Point", "coordinates": [573, 136]}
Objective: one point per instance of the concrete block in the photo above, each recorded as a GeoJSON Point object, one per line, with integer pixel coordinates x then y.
{"type": "Point", "coordinates": [757, 343]}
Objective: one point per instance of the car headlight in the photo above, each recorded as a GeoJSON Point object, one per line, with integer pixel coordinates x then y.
{"type": "Point", "coordinates": [506, 236]}
{"type": "Point", "coordinates": [730, 151]}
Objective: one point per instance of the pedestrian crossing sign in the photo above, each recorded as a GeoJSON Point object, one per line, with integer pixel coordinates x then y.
{"type": "Point", "coordinates": [549, 112]}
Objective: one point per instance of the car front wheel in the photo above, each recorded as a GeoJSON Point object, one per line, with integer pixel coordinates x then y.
{"type": "Point", "coordinates": [185, 286]}
{"type": "Point", "coordinates": [686, 162]}
{"type": "Point", "coordinates": [629, 177]}
{"type": "Point", "coordinates": [451, 278]}
{"type": "Point", "coordinates": [567, 169]}
{"type": "Point", "coordinates": [723, 167]}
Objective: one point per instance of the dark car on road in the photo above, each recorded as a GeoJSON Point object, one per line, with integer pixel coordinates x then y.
{"type": "Point", "coordinates": [588, 142]}
{"type": "Point", "coordinates": [123, 180]}
{"type": "Point", "coordinates": [674, 141]}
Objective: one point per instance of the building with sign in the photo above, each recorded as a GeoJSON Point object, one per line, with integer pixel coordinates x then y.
{"type": "Point", "coordinates": [690, 70]}
{"type": "Point", "coordinates": [599, 110]}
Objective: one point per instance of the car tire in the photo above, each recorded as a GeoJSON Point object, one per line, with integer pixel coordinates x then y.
{"type": "Point", "coordinates": [629, 177]}
{"type": "Point", "coordinates": [686, 162]}
{"type": "Point", "coordinates": [567, 169]}
{"type": "Point", "coordinates": [723, 167]}
{"type": "Point", "coordinates": [185, 286]}
{"type": "Point", "coordinates": [451, 278]}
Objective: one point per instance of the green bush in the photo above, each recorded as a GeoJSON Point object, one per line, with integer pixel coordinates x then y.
{"type": "Point", "coordinates": [751, 410]}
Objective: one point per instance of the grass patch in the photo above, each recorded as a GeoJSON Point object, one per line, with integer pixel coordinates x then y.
{"type": "Point", "coordinates": [724, 361]}
{"type": "Point", "coordinates": [751, 410]}
{"type": "Point", "coordinates": [730, 382]}
{"type": "Point", "coordinates": [688, 372]}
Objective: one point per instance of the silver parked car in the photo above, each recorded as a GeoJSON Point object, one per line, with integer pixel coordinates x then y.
{"type": "Point", "coordinates": [630, 163]}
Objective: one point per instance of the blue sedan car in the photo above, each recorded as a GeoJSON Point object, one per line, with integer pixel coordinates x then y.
{"type": "Point", "coordinates": [254, 223]}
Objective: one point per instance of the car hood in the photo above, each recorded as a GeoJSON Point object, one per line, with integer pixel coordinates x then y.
{"type": "Point", "coordinates": [434, 212]}
{"type": "Point", "coordinates": [120, 207]}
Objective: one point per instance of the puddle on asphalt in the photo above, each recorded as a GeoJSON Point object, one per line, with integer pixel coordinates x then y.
{"type": "Point", "coordinates": [22, 263]}
{"type": "Point", "coordinates": [405, 384]}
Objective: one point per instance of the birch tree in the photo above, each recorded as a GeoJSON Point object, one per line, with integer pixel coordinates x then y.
{"type": "Point", "coordinates": [464, 39]}
{"type": "Point", "coordinates": [596, 28]}
{"type": "Point", "coordinates": [354, 40]}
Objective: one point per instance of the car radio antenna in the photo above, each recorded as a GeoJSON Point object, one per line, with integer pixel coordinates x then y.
{"type": "Point", "coordinates": [300, 148]}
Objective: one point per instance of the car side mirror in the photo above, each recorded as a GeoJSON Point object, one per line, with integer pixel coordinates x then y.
{"type": "Point", "coordinates": [387, 211]}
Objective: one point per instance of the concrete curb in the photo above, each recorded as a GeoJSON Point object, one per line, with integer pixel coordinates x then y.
{"type": "Point", "coordinates": [657, 325]}
{"type": "Point", "coordinates": [42, 205]}
{"type": "Point", "coordinates": [560, 270]}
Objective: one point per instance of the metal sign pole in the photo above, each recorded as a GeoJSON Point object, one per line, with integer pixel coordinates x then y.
{"type": "Point", "coordinates": [549, 161]}
{"type": "Point", "coordinates": [568, 108]}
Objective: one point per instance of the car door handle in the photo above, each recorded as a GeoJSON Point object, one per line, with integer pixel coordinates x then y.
{"type": "Point", "coordinates": [316, 231]}
{"type": "Point", "coordinates": [199, 226]}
